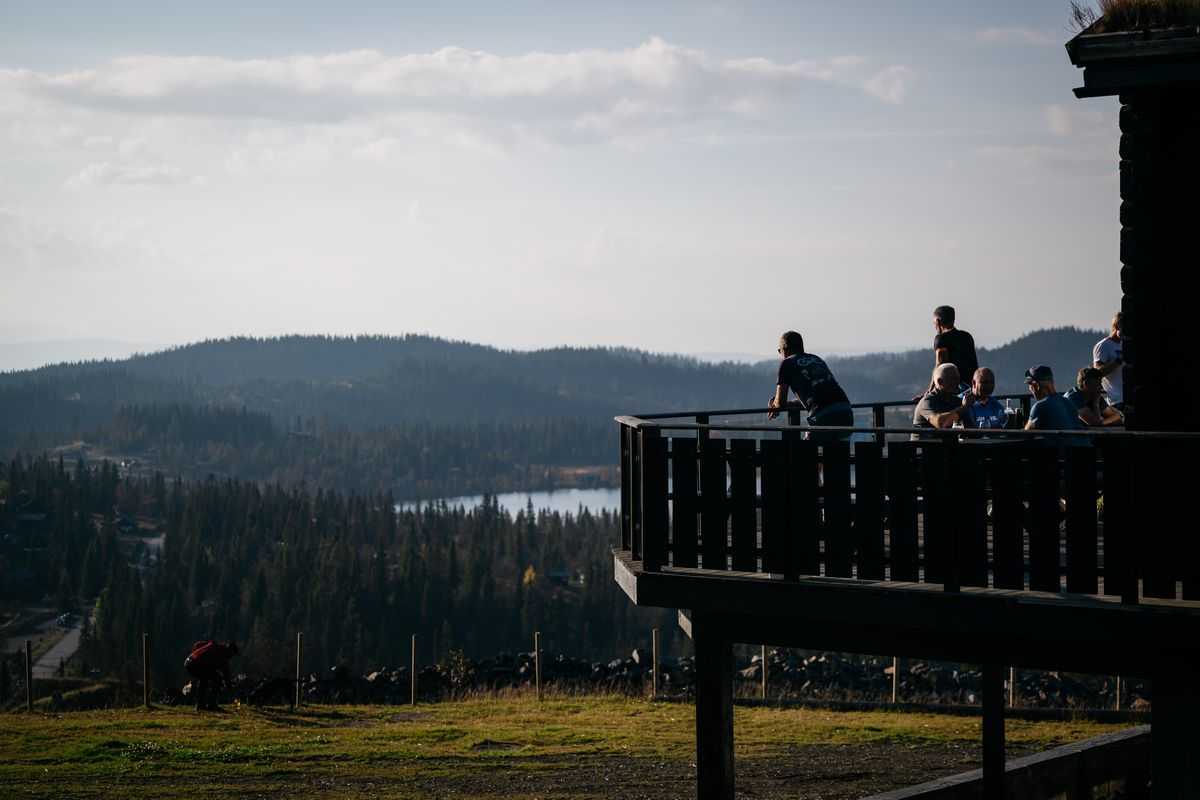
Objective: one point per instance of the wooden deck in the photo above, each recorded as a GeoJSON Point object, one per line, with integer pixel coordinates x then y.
{"type": "Point", "coordinates": [1046, 552]}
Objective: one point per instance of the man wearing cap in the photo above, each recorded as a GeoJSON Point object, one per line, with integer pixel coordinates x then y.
{"type": "Point", "coordinates": [1088, 398]}
{"type": "Point", "coordinates": [942, 406]}
{"type": "Point", "coordinates": [1051, 411]}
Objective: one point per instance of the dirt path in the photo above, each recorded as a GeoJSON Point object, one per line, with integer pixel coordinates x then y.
{"type": "Point", "coordinates": [810, 772]}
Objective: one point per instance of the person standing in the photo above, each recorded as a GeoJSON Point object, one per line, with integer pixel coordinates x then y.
{"type": "Point", "coordinates": [1106, 357]}
{"type": "Point", "coordinates": [951, 346]}
{"type": "Point", "coordinates": [811, 380]}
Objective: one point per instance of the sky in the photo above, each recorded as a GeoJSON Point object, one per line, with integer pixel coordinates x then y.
{"type": "Point", "coordinates": [681, 177]}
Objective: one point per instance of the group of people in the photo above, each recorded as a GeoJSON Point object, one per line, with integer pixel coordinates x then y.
{"type": "Point", "coordinates": [1096, 399]}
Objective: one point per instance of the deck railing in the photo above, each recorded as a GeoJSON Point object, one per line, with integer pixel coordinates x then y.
{"type": "Point", "coordinates": [1048, 511]}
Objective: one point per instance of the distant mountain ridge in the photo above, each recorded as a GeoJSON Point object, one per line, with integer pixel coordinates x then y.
{"type": "Point", "coordinates": [369, 382]}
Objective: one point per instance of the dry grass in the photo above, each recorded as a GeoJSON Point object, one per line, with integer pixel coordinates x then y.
{"type": "Point", "coordinates": [431, 750]}
{"type": "Point", "coordinates": [1135, 15]}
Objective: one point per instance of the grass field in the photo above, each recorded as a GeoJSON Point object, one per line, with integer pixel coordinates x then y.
{"type": "Point", "coordinates": [565, 747]}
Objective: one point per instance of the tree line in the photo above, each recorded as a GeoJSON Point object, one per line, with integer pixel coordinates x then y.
{"type": "Point", "coordinates": [258, 563]}
{"type": "Point", "coordinates": [413, 461]}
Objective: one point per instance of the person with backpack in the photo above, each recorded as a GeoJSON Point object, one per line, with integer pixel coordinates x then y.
{"type": "Point", "coordinates": [208, 663]}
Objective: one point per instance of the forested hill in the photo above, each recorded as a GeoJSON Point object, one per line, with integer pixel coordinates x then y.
{"type": "Point", "coordinates": [368, 382]}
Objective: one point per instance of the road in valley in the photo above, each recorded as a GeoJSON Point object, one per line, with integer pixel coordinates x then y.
{"type": "Point", "coordinates": [47, 665]}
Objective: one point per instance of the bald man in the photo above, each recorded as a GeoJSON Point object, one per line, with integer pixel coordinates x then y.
{"type": "Point", "coordinates": [986, 411]}
{"type": "Point", "coordinates": [941, 406]}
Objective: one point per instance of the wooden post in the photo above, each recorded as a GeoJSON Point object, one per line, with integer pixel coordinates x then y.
{"type": "Point", "coordinates": [1176, 770]}
{"type": "Point", "coordinates": [28, 675]}
{"type": "Point", "coordinates": [1118, 693]}
{"type": "Point", "coordinates": [146, 670]}
{"type": "Point", "coordinates": [412, 670]}
{"type": "Point", "coordinates": [895, 678]}
{"type": "Point", "coordinates": [299, 651]}
{"type": "Point", "coordinates": [1012, 687]}
{"type": "Point", "coordinates": [764, 673]}
{"type": "Point", "coordinates": [714, 710]}
{"type": "Point", "coordinates": [993, 732]}
{"type": "Point", "coordinates": [537, 662]}
{"type": "Point", "coordinates": [654, 665]}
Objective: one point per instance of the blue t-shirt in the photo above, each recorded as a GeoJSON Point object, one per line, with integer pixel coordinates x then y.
{"type": "Point", "coordinates": [989, 414]}
{"type": "Point", "coordinates": [1055, 413]}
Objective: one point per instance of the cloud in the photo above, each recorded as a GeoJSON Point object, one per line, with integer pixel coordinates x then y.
{"type": "Point", "coordinates": [890, 85]}
{"type": "Point", "coordinates": [107, 173]}
{"type": "Point", "coordinates": [656, 83]}
{"type": "Point", "coordinates": [1016, 36]}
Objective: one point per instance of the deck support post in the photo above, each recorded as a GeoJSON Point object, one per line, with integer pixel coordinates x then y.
{"type": "Point", "coordinates": [714, 709]}
{"type": "Point", "coordinates": [993, 732]}
{"type": "Point", "coordinates": [1175, 749]}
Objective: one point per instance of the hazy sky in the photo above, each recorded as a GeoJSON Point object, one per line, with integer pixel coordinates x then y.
{"type": "Point", "coordinates": [672, 176]}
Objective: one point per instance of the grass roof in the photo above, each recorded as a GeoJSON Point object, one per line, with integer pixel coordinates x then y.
{"type": "Point", "coordinates": [1116, 16]}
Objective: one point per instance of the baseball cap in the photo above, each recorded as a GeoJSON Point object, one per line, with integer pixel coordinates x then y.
{"type": "Point", "coordinates": [1039, 373]}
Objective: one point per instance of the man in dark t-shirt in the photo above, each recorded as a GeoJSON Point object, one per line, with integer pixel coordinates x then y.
{"type": "Point", "coordinates": [952, 346]}
{"type": "Point", "coordinates": [811, 380]}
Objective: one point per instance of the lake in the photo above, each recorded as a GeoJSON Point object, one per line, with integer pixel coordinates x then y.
{"type": "Point", "coordinates": [560, 500]}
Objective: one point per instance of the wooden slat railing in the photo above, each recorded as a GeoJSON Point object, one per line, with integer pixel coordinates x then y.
{"type": "Point", "coordinates": [954, 509]}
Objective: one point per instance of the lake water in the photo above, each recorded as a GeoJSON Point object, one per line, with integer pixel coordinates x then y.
{"type": "Point", "coordinates": [560, 500]}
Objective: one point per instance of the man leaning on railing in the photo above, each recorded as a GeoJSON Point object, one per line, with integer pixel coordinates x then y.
{"type": "Point", "coordinates": [809, 377]}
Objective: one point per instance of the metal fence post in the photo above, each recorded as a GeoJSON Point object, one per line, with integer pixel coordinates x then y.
{"type": "Point", "coordinates": [412, 671]}
{"type": "Point", "coordinates": [146, 670]}
{"type": "Point", "coordinates": [764, 673]}
{"type": "Point", "coordinates": [28, 675]}
{"type": "Point", "coordinates": [1012, 687]}
{"type": "Point", "coordinates": [299, 651]}
{"type": "Point", "coordinates": [895, 677]}
{"type": "Point", "coordinates": [537, 662]}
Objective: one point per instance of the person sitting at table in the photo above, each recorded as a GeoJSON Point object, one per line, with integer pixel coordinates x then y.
{"type": "Point", "coordinates": [1051, 411]}
{"type": "Point", "coordinates": [986, 411]}
{"type": "Point", "coordinates": [942, 406]}
{"type": "Point", "coordinates": [1087, 395]}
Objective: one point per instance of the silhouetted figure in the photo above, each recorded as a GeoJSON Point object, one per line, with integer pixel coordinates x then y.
{"type": "Point", "coordinates": [1087, 395]}
{"type": "Point", "coordinates": [208, 663]}
{"type": "Point", "coordinates": [811, 380]}
{"type": "Point", "coordinates": [1051, 411]}
{"type": "Point", "coordinates": [952, 346]}
{"type": "Point", "coordinates": [943, 406]}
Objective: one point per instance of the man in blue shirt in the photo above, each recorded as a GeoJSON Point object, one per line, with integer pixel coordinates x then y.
{"type": "Point", "coordinates": [1051, 411]}
{"type": "Point", "coordinates": [985, 411]}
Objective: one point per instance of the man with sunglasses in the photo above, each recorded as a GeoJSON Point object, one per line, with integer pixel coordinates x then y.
{"type": "Point", "coordinates": [810, 378]}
